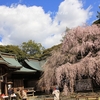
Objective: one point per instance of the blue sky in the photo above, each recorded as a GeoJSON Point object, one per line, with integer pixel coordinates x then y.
{"type": "Point", "coordinates": [43, 21]}
{"type": "Point", "coordinates": [46, 4]}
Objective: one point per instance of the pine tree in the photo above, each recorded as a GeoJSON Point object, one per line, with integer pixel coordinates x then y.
{"type": "Point", "coordinates": [98, 16]}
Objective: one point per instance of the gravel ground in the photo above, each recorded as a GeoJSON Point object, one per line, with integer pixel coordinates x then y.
{"type": "Point", "coordinates": [79, 96]}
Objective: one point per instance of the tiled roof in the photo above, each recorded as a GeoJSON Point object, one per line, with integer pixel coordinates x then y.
{"type": "Point", "coordinates": [35, 64]}
{"type": "Point", "coordinates": [25, 70]}
{"type": "Point", "coordinates": [9, 60]}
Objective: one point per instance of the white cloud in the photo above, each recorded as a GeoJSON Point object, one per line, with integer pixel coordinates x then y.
{"type": "Point", "coordinates": [21, 23]}
{"type": "Point", "coordinates": [72, 14]}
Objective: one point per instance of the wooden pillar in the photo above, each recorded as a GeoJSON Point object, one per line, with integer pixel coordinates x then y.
{"type": "Point", "coordinates": [0, 87]}
{"type": "Point", "coordinates": [6, 87]}
{"type": "Point", "coordinates": [1, 80]}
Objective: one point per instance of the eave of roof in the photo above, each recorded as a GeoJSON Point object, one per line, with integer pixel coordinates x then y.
{"type": "Point", "coordinates": [9, 60]}
{"type": "Point", "coordinates": [25, 70]}
{"type": "Point", "coordinates": [9, 65]}
{"type": "Point", "coordinates": [35, 64]}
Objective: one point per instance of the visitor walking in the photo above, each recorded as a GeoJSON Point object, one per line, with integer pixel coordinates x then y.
{"type": "Point", "coordinates": [56, 93]}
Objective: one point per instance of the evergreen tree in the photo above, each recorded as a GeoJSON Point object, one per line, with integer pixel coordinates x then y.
{"type": "Point", "coordinates": [98, 16]}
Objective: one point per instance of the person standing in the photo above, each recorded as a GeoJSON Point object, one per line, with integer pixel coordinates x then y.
{"type": "Point", "coordinates": [10, 92]}
{"type": "Point", "coordinates": [56, 93]}
{"type": "Point", "coordinates": [24, 95]}
{"type": "Point", "coordinates": [18, 94]}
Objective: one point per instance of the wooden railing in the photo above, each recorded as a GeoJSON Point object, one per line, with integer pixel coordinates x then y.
{"type": "Point", "coordinates": [30, 91]}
